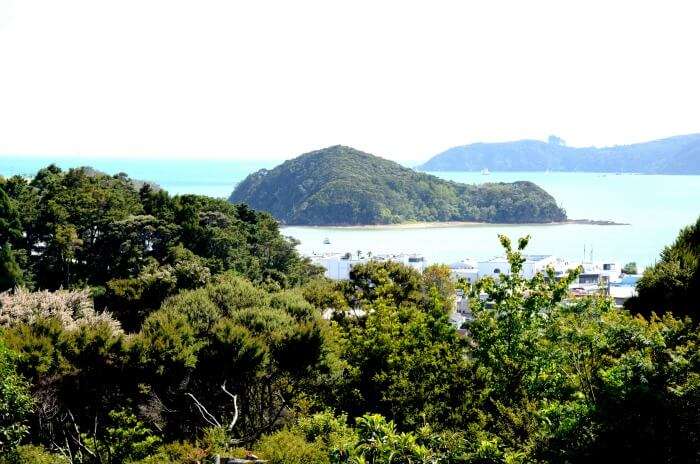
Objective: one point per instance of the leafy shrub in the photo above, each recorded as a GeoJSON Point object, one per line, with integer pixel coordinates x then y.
{"type": "Point", "coordinates": [125, 439]}
{"type": "Point", "coordinates": [175, 453]}
{"type": "Point", "coordinates": [288, 447]}
{"type": "Point", "coordinates": [15, 402]}
{"type": "Point", "coordinates": [71, 308]}
{"type": "Point", "coordinates": [31, 454]}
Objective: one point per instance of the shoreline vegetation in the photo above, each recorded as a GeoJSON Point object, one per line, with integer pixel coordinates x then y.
{"type": "Point", "coordinates": [456, 224]}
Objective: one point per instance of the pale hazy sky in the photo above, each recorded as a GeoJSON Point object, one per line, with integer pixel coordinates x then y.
{"type": "Point", "coordinates": [404, 80]}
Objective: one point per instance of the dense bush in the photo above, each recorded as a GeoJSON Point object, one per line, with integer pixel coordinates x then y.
{"type": "Point", "coordinates": [83, 228]}
{"type": "Point", "coordinates": [31, 454]}
{"type": "Point", "coordinates": [228, 343]}
{"type": "Point", "coordinates": [15, 402]}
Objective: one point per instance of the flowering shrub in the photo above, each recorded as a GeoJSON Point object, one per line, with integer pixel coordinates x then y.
{"type": "Point", "coordinates": [72, 309]}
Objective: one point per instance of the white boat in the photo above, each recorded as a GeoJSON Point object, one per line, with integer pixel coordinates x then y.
{"type": "Point", "coordinates": [485, 172]}
{"type": "Point", "coordinates": [326, 241]}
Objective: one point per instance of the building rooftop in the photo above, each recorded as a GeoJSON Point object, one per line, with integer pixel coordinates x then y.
{"type": "Point", "coordinates": [464, 264]}
{"type": "Point", "coordinates": [528, 259]}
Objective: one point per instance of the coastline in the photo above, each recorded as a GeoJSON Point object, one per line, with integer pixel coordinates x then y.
{"type": "Point", "coordinates": [456, 224]}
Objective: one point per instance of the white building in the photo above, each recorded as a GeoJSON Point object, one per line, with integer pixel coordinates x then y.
{"type": "Point", "coordinates": [532, 265]}
{"type": "Point", "coordinates": [622, 293]}
{"type": "Point", "coordinates": [625, 289]}
{"type": "Point", "coordinates": [339, 265]}
{"type": "Point", "coordinates": [597, 275]}
{"type": "Point", "coordinates": [417, 262]}
{"type": "Point", "coordinates": [466, 269]}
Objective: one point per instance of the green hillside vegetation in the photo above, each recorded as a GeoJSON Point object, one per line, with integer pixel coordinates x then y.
{"type": "Point", "coordinates": [133, 248]}
{"type": "Point", "coordinates": [150, 329]}
{"type": "Point", "coordinates": [343, 186]}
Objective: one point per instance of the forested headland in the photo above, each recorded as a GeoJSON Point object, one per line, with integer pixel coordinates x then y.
{"type": "Point", "coordinates": [672, 155]}
{"type": "Point", "coordinates": [339, 185]}
{"type": "Point", "coordinates": [139, 327]}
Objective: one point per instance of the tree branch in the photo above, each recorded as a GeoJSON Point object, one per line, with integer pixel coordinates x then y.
{"type": "Point", "coordinates": [235, 406]}
{"type": "Point", "coordinates": [203, 411]}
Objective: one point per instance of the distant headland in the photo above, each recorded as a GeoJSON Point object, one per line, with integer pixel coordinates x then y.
{"type": "Point", "coordinates": [673, 155]}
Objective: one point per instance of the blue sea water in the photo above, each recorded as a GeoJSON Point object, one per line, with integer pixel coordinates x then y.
{"type": "Point", "coordinates": [654, 206]}
{"type": "Point", "coordinates": [215, 178]}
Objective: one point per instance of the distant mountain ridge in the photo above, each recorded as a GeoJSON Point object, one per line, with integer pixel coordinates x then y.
{"type": "Point", "coordinates": [342, 186]}
{"type": "Point", "coordinates": [674, 155]}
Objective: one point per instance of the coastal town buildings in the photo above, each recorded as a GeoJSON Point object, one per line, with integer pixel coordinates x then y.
{"type": "Point", "coordinates": [339, 265]}
{"type": "Point", "coordinates": [499, 265]}
{"type": "Point", "coordinates": [596, 277]}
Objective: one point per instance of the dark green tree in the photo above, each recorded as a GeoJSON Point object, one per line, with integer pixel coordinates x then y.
{"type": "Point", "coordinates": [405, 360]}
{"type": "Point", "coordinates": [578, 380]}
{"type": "Point", "coordinates": [673, 283]}
{"type": "Point", "coordinates": [10, 225]}
{"type": "Point", "coordinates": [10, 233]}
{"type": "Point", "coordinates": [10, 271]}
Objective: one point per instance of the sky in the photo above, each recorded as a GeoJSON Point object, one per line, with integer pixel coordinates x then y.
{"type": "Point", "coordinates": [400, 79]}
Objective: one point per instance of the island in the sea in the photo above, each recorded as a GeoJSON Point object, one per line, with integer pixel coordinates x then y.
{"type": "Point", "coordinates": [673, 155]}
{"type": "Point", "coordinates": [339, 185]}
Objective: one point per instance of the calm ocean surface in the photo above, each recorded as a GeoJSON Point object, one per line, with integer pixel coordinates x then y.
{"type": "Point", "coordinates": [206, 177]}
{"type": "Point", "coordinates": [655, 207]}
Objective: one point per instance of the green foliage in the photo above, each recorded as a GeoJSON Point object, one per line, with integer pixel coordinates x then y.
{"type": "Point", "coordinates": [630, 268]}
{"type": "Point", "coordinates": [673, 283]}
{"type": "Point", "coordinates": [387, 281]}
{"type": "Point", "coordinates": [404, 358]}
{"type": "Point", "coordinates": [15, 402]}
{"type": "Point", "coordinates": [10, 226]}
{"type": "Point", "coordinates": [125, 439]}
{"type": "Point", "coordinates": [580, 381]}
{"type": "Point", "coordinates": [319, 438]}
{"type": "Point", "coordinates": [83, 228]}
{"type": "Point", "coordinates": [167, 344]}
{"type": "Point", "coordinates": [175, 453]}
{"type": "Point", "coordinates": [324, 294]}
{"type": "Point", "coordinates": [225, 346]}
{"type": "Point", "coordinates": [339, 185]}
{"type": "Point", "coordinates": [10, 232]}
{"type": "Point", "coordinates": [267, 349]}
{"type": "Point", "coordinates": [11, 274]}
{"type": "Point", "coordinates": [286, 447]}
{"type": "Point", "coordinates": [378, 443]}
{"type": "Point", "coordinates": [330, 430]}
{"type": "Point", "coordinates": [438, 278]}
{"type": "Point", "coordinates": [31, 454]}
{"type": "Point", "coordinates": [323, 438]}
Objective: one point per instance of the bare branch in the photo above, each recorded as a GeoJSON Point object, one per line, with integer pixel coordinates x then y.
{"type": "Point", "coordinates": [235, 406]}
{"type": "Point", "coordinates": [203, 411]}
{"type": "Point", "coordinates": [77, 439]}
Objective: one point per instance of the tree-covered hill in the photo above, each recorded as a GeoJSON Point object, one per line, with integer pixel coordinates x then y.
{"type": "Point", "coordinates": [81, 228]}
{"type": "Point", "coordinates": [342, 186]}
{"type": "Point", "coordinates": [674, 155]}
